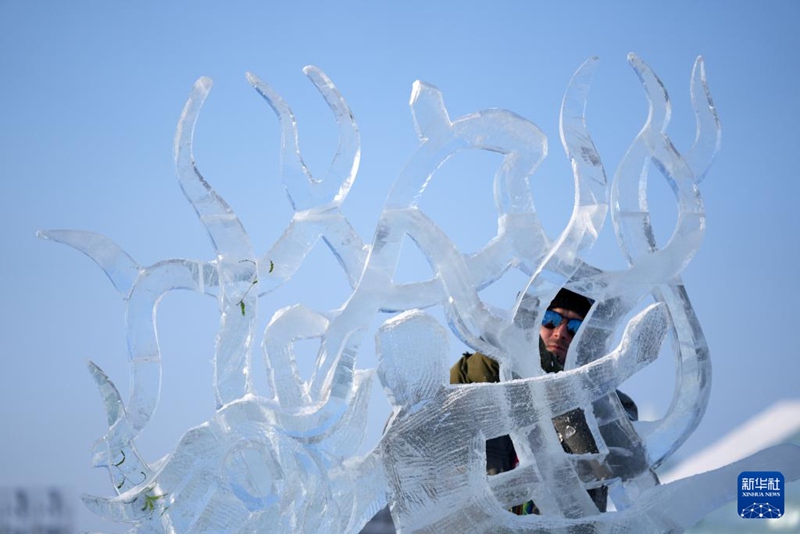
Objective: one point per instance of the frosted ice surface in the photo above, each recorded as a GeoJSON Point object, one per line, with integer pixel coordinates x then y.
{"type": "Point", "coordinates": [286, 460]}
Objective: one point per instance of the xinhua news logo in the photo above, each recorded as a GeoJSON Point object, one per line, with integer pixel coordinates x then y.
{"type": "Point", "coordinates": [761, 495]}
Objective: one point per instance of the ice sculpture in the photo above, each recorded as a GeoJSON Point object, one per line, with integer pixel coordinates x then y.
{"type": "Point", "coordinates": [287, 460]}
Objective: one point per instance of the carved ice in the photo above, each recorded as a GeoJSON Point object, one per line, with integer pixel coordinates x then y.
{"type": "Point", "coordinates": [287, 461]}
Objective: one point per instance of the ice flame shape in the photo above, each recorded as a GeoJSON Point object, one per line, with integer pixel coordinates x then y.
{"type": "Point", "coordinates": [287, 461]}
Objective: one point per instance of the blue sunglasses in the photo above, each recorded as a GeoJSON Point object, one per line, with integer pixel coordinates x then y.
{"type": "Point", "coordinates": [553, 319]}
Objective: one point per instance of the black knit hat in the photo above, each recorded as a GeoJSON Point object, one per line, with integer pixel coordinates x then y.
{"type": "Point", "coordinates": [569, 300]}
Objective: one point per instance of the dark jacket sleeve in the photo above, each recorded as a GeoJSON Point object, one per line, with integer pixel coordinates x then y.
{"type": "Point", "coordinates": [630, 407]}
{"type": "Point", "coordinates": [476, 368]}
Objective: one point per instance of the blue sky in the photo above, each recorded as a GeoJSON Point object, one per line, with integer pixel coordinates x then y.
{"type": "Point", "coordinates": [90, 97]}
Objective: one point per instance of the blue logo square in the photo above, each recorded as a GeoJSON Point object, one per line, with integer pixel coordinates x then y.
{"type": "Point", "coordinates": [761, 495]}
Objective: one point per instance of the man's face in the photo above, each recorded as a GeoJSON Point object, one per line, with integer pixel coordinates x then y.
{"type": "Point", "coordinates": [558, 339]}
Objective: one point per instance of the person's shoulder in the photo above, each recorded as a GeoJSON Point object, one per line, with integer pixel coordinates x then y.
{"type": "Point", "coordinates": [474, 367]}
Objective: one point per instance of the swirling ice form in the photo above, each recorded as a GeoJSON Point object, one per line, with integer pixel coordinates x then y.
{"type": "Point", "coordinates": [288, 461]}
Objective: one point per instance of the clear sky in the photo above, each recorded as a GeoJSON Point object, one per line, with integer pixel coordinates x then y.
{"type": "Point", "coordinates": [91, 93]}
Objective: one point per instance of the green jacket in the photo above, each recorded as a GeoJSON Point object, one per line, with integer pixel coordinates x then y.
{"type": "Point", "coordinates": [574, 433]}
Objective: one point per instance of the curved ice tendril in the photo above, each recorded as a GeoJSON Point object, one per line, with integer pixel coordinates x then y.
{"type": "Point", "coordinates": [120, 268]}
{"type": "Point", "coordinates": [706, 144]}
{"type": "Point", "coordinates": [304, 191]}
{"type": "Point", "coordinates": [316, 202]}
{"type": "Point", "coordinates": [287, 461]}
{"type": "Point", "coordinates": [128, 467]}
{"type": "Point", "coordinates": [237, 265]}
{"type": "Point", "coordinates": [589, 211]}
{"type": "Point", "coordinates": [635, 235]}
{"type": "Point", "coordinates": [141, 288]}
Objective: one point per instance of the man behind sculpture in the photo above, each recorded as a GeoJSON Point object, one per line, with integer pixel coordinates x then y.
{"type": "Point", "coordinates": [558, 328]}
